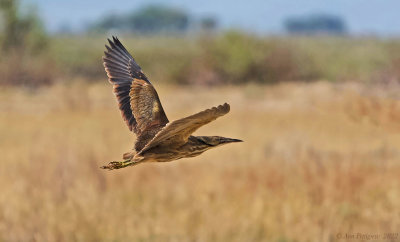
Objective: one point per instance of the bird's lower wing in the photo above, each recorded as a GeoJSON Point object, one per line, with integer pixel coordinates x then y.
{"type": "Point", "coordinates": [178, 131]}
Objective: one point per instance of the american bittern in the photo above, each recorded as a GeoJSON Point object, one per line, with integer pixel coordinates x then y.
{"type": "Point", "coordinates": [158, 140]}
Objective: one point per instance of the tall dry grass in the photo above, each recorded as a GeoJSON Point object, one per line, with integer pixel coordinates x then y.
{"type": "Point", "coordinates": [318, 159]}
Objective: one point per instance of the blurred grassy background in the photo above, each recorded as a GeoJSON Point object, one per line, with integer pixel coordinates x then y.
{"type": "Point", "coordinates": [318, 159]}
{"type": "Point", "coordinates": [320, 117]}
{"type": "Point", "coordinates": [227, 58]}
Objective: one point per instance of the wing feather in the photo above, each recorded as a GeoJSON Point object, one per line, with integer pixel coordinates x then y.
{"type": "Point", "coordinates": [178, 131]}
{"type": "Point", "coordinates": [137, 99]}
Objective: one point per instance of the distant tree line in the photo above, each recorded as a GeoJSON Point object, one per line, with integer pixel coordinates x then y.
{"type": "Point", "coordinates": [24, 43]}
{"type": "Point", "coordinates": [315, 24]}
{"type": "Point", "coordinates": [153, 19]}
{"type": "Point", "coordinates": [22, 31]}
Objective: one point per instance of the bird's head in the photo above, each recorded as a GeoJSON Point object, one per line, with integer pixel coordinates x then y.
{"type": "Point", "coordinates": [214, 141]}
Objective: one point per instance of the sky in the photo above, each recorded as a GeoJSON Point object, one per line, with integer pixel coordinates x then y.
{"type": "Point", "coordinates": [379, 17]}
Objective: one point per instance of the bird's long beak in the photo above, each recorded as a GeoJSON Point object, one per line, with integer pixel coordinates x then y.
{"type": "Point", "coordinates": [230, 140]}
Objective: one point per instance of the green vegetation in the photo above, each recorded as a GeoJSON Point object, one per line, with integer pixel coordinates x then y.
{"type": "Point", "coordinates": [237, 58]}
{"type": "Point", "coordinates": [30, 57]}
{"type": "Point", "coordinates": [230, 57]}
{"type": "Point", "coordinates": [20, 31]}
{"type": "Point", "coordinates": [25, 57]}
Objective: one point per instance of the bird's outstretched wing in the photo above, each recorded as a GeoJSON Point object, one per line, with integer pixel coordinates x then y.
{"type": "Point", "coordinates": [138, 100]}
{"type": "Point", "coordinates": [178, 131]}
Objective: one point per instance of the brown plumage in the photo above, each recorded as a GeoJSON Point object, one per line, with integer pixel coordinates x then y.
{"type": "Point", "coordinates": [158, 140]}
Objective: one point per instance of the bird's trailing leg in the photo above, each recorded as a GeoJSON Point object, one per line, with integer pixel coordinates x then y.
{"type": "Point", "coordinates": [119, 164]}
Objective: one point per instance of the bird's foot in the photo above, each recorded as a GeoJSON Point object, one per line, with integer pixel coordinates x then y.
{"type": "Point", "coordinates": [118, 164]}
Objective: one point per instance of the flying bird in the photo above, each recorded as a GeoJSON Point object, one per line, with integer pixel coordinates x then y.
{"type": "Point", "coordinates": [157, 139]}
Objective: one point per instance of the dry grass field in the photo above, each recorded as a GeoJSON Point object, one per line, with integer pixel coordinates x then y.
{"type": "Point", "coordinates": [319, 161]}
